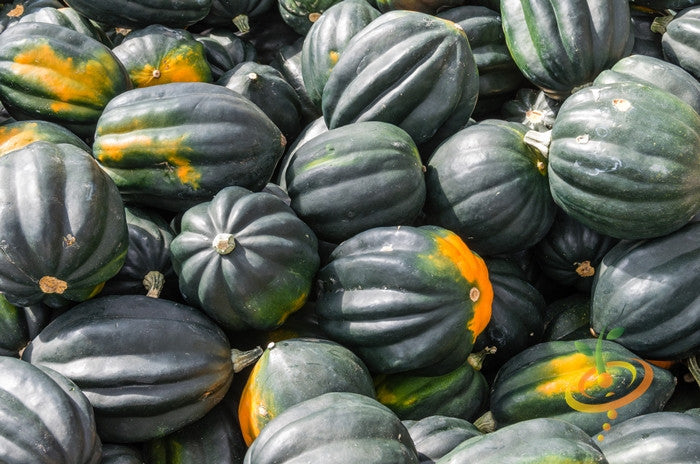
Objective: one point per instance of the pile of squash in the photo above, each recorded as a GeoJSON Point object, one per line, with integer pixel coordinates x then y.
{"type": "Point", "coordinates": [349, 231]}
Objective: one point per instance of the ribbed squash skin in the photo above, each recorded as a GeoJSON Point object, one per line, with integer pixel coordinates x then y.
{"type": "Point", "coordinates": [174, 145]}
{"type": "Point", "coordinates": [406, 68]}
{"type": "Point", "coordinates": [646, 41]}
{"type": "Point", "coordinates": [148, 366]}
{"type": "Point", "coordinates": [498, 74]}
{"type": "Point", "coordinates": [570, 252]}
{"type": "Point", "coordinates": [655, 438]}
{"type": "Point", "coordinates": [617, 179]}
{"type": "Point", "coordinates": [516, 314]}
{"type": "Point", "coordinates": [295, 370]}
{"type": "Point", "coordinates": [300, 15]}
{"type": "Point", "coordinates": [680, 43]}
{"type": "Point", "coordinates": [141, 13]}
{"type": "Point", "coordinates": [63, 227]}
{"type": "Point", "coordinates": [435, 436]}
{"type": "Point", "coordinates": [326, 40]}
{"type": "Point", "coordinates": [72, 77]}
{"type": "Point", "coordinates": [224, 50]}
{"type": "Point", "coordinates": [338, 427]}
{"type": "Point", "coordinates": [532, 441]}
{"type": "Point", "coordinates": [215, 438]}
{"type": "Point", "coordinates": [568, 318]}
{"type": "Point", "coordinates": [264, 278]}
{"type": "Point", "coordinates": [121, 454]}
{"type": "Point", "coordinates": [485, 184]}
{"type": "Point", "coordinates": [352, 178]}
{"type": "Point", "coordinates": [562, 44]}
{"type": "Point", "coordinates": [46, 419]}
{"type": "Point", "coordinates": [655, 72]}
{"type": "Point", "coordinates": [269, 90]}
{"type": "Point", "coordinates": [649, 288]}
{"type": "Point", "coordinates": [18, 134]}
{"type": "Point", "coordinates": [238, 12]}
{"type": "Point", "coordinates": [157, 54]}
{"type": "Point", "coordinates": [558, 380]}
{"type": "Point", "coordinates": [460, 393]}
{"type": "Point", "coordinates": [19, 325]}
{"type": "Point", "coordinates": [405, 298]}
{"type": "Point", "coordinates": [13, 12]}
{"type": "Point", "coordinates": [70, 18]}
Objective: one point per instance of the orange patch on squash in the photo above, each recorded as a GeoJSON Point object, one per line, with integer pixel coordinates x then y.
{"type": "Point", "coordinates": [252, 412]}
{"type": "Point", "coordinates": [13, 138]}
{"type": "Point", "coordinates": [565, 373]}
{"type": "Point", "coordinates": [181, 64]}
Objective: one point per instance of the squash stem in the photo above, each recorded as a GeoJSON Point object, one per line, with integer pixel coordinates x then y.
{"type": "Point", "coordinates": [540, 141]}
{"type": "Point", "coordinates": [243, 359]}
{"type": "Point", "coordinates": [694, 368]}
{"type": "Point", "coordinates": [485, 423]}
{"type": "Point", "coordinates": [476, 360]}
{"type": "Point", "coordinates": [154, 282]}
{"type": "Point", "coordinates": [242, 23]}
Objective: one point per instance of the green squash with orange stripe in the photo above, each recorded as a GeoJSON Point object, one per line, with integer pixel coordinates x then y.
{"type": "Point", "coordinates": [57, 74]}
{"type": "Point", "coordinates": [174, 145]}
{"type": "Point", "coordinates": [590, 383]}
{"type": "Point", "coordinates": [294, 370]}
{"type": "Point", "coordinates": [405, 298]}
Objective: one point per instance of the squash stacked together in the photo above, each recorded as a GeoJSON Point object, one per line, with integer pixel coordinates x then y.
{"type": "Point", "coordinates": [349, 231]}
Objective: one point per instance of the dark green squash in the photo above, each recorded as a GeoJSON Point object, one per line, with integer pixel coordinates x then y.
{"type": "Point", "coordinates": [148, 366]}
{"type": "Point", "coordinates": [405, 298]}
{"type": "Point", "coordinates": [157, 54]}
{"type": "Point", "coordinates": [269, 90]}
{"type": "Point", "coordinates": [214, 439]}
{"type": "Point", "coordinates": [46, 419]}
{"type": "Point", "coordinates": [570, 252]}
{"type": "Point", "coordinates": [461, 393]}
{"type": "Point", "coordinates": [654, 438]}
{"type": "Point", "coordinates": [356, 177]}
{"type": "Point", "coordinates": [19, 325]}
{"type": "Point", "coordinates": [70, 18]}
{"type": "Point", "coordinates": [550, 441]}
{"type": "Point", "coordinates": [516, 314]}
{"type": "Point", "coordinates": [224, 50]}
{"type": "Point", "coordinates": [563, 44]}
{"type": "Point", "coordinates": [681, 43]}
{"type": "Point", "coordinates": [62, 225]}
{"type": "Point", "coordinates": [12, 12]}
{"type": "Point", "coordinates": [147, 268]}
{"type": "Point", "coordinates": [435, 436]}
{"type": "Point", "coordinates": [499, 77]}
{"type": "Point", "coordinates": [18, 134]}
{"type": "Point", "coordinates": [141, 13]}
{"type": "Point", "coordinates": [121, 454]}
{"type": "Point", "coordinates": [407, 68]}
{"type": "Point", "coordinates": [300, 15]}
{"type": "Point", "coordinates": [568, 318]}
{"type": "Point", "coordinates": [666, 4]}
{"type": "Point", "coordinates": [190, 140]}
{"type": "Point", "coordinates": [587, 382]}
{"type": "Point", "coordinates": [617, 179]}
{"type": "Point", "coordinates": [72, 77]}
{"type": "Point", "coordinates": [655, 72]}
{"type": "Point", "coordinates": [338, 427]}
{"type": "Point", "coordinates": [294, 370]}
{"type": "Point", "coordinates": [646, 41]}
{"type": "Point", "coordinates": [225, 13]}
{"type": "Point", "coordinates": [491, 188]}
{"type": "Point", "coordinates": [312, 129]}
{"type": "Point", "coordinates": [326, 40]}
{"type": "Point", "coordinates": [649, 289]}
{"type": "Point", "coordinates": [245, 258]}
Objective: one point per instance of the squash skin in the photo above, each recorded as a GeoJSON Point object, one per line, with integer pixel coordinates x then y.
{"type": "Point", "coordinates": [568, 318]}
{"type": "Point", "coordinates": [551, 380]}
{"type": "Point", "coordinates": [70, 18]}
{"type": "Point", "coordinates": [654, 438]}
{"type": "Point", "coordinates": [435, 436]}
{"type": "Point", "coordinates": [356, 177]}
{"type": "Point", "coordinates": [73, 76]}
{"type": "Point", "coordinates": [300, 15]}
{"type": "Point", "coordinates": [121, 454]}
{"type": "Point", "coordinates": [562, 44]}
{"type": "Point", "coordinates": [133, 401]}
{"type": "Point", "coordinates": [648, 287]}
{"type": "Point", "coordinates": [12, 13]}
{"type": "Point", "coordinates": [157, 54]}
{"type": "Point", "coordinates": [535, 440]}
{"type": "Point", "coordinates": [327, 38]}
{"type": "Point", "coordinates": [141, 13]}
{"type": "Point", "coordinates": [371, 80]}
{"type": "Point", "coordinates": [680, 43]}
{"type": "Point", "coordinates": [485, 184]}
{"type": "Point", "coordinates": [164, 159]}
{"type": "Point", "coordinates": [338, 427]}
{"type": "Point", "coordinates": [224, 50]}
{"type": "Point", "coordinates": [67, 245]}
{"type": "Point", "coordinates": [461, 393]}
{"type": "Point", "coordinates": [264, 278]}
{"type": "Point", "coordinates": [19, 325]}
{"type": "Point", "coordinates": [656, 72]}
{"type": "Point", "coordinates": [46, 418]}
{"type": "Point", "coordinates": [648, 180]}
{"type": "Point", "coordinates": [18, 134]}
{"type": "Point", "coordinates": [430, 292]}
{"type": "Point", "coordinates": [295, 370]}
